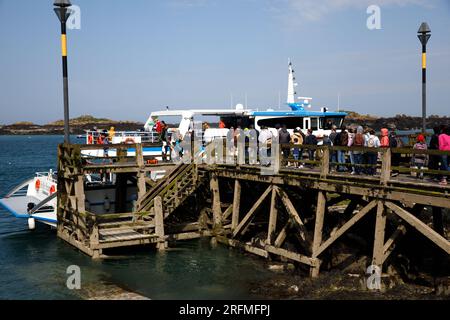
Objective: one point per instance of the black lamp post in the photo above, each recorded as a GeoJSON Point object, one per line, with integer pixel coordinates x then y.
{"type": "Point", "coordinates": [424, 35]}
{"type": "Point", "coordinates": [63, 12]}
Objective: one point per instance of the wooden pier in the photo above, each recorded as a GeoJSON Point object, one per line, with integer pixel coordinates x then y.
{"type": "Point", "coordinates": [283, 215]}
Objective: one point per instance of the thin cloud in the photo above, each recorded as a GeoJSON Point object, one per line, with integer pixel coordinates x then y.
{"type": "Point", "coordinates": [314, 10]}
{"type": "Point", "coordinates": [188, 3]}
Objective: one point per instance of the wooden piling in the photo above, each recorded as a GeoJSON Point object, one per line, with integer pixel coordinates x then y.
{"type": "Point", "coordinates": [236, 204]}
{"type": "Point", "coordinates": [318, 229]}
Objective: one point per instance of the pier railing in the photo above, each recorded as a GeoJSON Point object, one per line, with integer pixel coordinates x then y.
{"type": "Point", "coordinates": [381, 163]}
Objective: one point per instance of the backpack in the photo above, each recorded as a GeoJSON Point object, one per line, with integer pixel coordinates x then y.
{"type": "Point", "coordinates": [297, 139]}
{"type": "Point", "coordinates": [371, 142]}
{"type": "Point", "coordinates": [384, 141]}
{"type": "Point", "coordinates": [420, 146]}
{"type": "Point", "coordinates": [344, 138]}
{"type": "Point", "coordinates": [393, 143]}
{"type": "Point", "coordinates": [359, 140]}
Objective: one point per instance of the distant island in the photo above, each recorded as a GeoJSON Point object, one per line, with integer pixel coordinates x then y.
{"type": "Point", "coordinates": [400, 121]}
{"type": "Point", "coordinates": [87, 122]}
{"type": "Point", "coordinates": [77, 126]}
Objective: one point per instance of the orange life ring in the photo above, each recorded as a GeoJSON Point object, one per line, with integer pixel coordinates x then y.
{"type": "Point", "coordinates": [37, 184]}
{"type": "Point", "coordinates": [52, 189]}
{"type": "Point", "coordinates": [129, 141]}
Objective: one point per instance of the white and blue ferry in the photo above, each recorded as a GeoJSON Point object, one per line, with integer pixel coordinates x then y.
{"type": "Point", "coordinates": [35, 199]}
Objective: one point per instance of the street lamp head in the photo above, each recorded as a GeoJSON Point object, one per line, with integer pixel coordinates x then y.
{"type": "Point", "coordinates": [424, 33]}
{"type": "Point", "coordinates": [424, 28]}
{"type": "Point", "coordinates": [62, 10]}
{"type": "Point", "coordinates": [62, 3]}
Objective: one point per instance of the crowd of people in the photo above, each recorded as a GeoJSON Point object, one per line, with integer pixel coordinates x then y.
{"type": "Point", "coordinates": [296, 147]}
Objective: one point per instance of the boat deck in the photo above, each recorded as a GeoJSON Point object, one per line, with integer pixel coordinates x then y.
{"type": "Point", "coordinates": [18, 207]}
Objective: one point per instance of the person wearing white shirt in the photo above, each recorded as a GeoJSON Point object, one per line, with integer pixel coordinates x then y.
{"type": "Point", "coordinates": [265, 143]}
{"type": "Point", "coordinates": [372, 141]}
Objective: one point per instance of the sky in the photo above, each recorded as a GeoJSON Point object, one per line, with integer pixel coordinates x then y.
{"type": "Point", "coordinates": [133, 57]}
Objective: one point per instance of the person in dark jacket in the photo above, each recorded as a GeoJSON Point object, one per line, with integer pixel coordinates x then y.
{"type": "Point", "coordinates": [333, 153]}
{"type": "Point", "coordinates": [311, 140]}
{"type": "Point", "coordinates": [342, 141]}
{"type": "Point", "coordinates": [284, 139]}
{"type": "Point", "coordinates": [434, 145]}
{"type": "Point", "coordinates": [394, 142]}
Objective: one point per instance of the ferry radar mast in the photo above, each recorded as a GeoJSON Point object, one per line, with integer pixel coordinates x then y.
{"type": "Point", "coordinates": [304, 101]}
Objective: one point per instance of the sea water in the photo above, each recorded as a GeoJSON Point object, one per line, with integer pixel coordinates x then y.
{"type": "Point", "coordinates": [33, 264]}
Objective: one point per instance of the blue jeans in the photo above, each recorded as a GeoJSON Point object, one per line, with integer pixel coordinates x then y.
{"type": "Point", "coordinates": [372, 160]}
{"type": "Point", "coordinates": [296, 153]}
{"type": "Point", "coordinates": [444, 162]}
{"type": "Point", "coordinates": [334, 158]}
{"type": "Point", "coordinates": [357, 159]}
{"type": "Point", "coordinates": [341, 159]}
{"type": "Point", "coordinates": [311, 155]}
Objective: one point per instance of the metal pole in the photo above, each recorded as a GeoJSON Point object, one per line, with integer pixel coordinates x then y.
{"type": "Point", "coordinates": [424, 88]}
{"type": "Point", "coordinates": [65, 82]}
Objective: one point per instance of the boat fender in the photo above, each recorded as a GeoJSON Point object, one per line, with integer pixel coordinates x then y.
{"type": "Point", "coordinates": [37, 184]}
{"type": "Point", "coordinates": [52, 189]}
{"type": "Point", "coordinates": [31, 223]}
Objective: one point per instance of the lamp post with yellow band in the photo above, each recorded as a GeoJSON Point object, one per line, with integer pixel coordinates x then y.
{"type": "Point", "coordinates": [424, 35]}
{"type": "Point", "coordinates": [63, 12]}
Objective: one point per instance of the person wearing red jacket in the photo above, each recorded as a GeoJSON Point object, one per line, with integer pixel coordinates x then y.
{"type": "Point", "coordinates": [444, 145]}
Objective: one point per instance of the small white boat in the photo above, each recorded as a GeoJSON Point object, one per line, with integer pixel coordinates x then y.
{"type": "Point", "coordinates": [123, 137]}
{"type": "Point", "coordinates": [34, 199]}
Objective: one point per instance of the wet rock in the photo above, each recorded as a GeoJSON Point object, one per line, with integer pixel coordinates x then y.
{"type": "Point", "coordinates": [108, 291]}
{"type": "Point", "coordinates": [276, 267]}
{"type": "Point", "coordinates": [294, 288]}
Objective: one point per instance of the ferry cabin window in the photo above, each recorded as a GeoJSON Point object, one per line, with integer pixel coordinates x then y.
{"type": "Point", "coordinates": [327, 122]}
{"type": "Point", "coordinates": [314, 124]}
{"type": "Point", "coordinates": [235, 121]}
{"type": "Point", "coordinates": [290, 122]}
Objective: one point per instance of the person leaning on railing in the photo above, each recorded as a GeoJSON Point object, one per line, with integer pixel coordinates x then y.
{"type": "Point", "coordinates": [358, 141]}
{"type": "Point", "coordinates": [311, 140]}
{"type": "Point", "coordinates": [434, 145]}
{"type": "Point", "coordinates": [419, 159]}
{"type": "Point", "coordinates": [444, 145]}
{"type": "Point", "coordinates": [394, 142]}
{"type": "Point", "coordinates": [265, 144]}
{"type": "Point", "coordinates": [351, 137]}
{"type": "Point", "coordinates": [372, 141]}
{"type": "Point", "coordinates": [285, 140]}
{"type": "Point", "coordinates": [333, 154]}
{"type": "Point", "coordinates": [341, 140]}
{"type": "Point", "coordinates": [297, 140]}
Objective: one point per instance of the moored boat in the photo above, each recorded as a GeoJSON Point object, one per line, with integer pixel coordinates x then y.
{"type": "Point", "coordinates": [35, 199]}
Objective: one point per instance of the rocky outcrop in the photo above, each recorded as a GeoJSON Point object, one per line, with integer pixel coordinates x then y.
{"type": "Point", "coordinates": [77, 126]}
{"type": "Point", "coordinates": [401, 122]}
